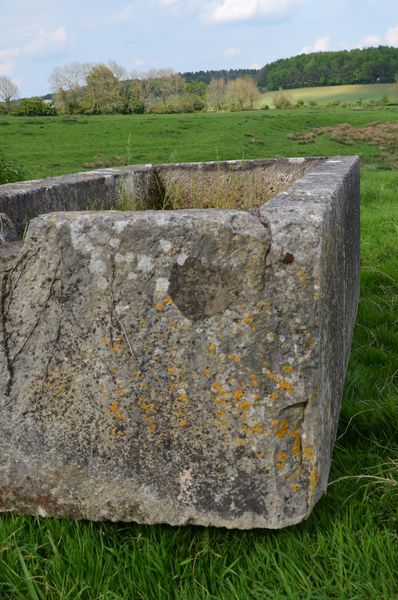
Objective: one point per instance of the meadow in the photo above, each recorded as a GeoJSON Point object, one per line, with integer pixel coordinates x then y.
{"type": "Point", "coordinates": [348, 548]}
{"type": "Point", "coordinates": [338, 93]}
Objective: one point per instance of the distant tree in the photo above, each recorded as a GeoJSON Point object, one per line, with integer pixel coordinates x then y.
{"type": "Point", "coordinates": [8, 91]}
{"type": "Point", "coordinates": [216, 94]}
{"type": "Point", "coordinates": [103, 90]}
{"type": "Point", "coordinates": [162, 84]}
{"type": "Point", "coordinates": [198, 88]}
{"type": "Point", "coordinates": [117, 70]}
{"type": "Point", "coordinates": [68, 83]}
{"type": "Point", "coordinates": [242, 93]}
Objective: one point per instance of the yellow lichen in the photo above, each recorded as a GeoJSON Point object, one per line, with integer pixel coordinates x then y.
{"type": "Point", "coordinates": [287, 369]}
{"type": "Point", "coordinates": [238, 394]}
{"type": "Point", "coordinates": [240, 442]}
{"type": "Point", "coordinates": [282, 456]}
{"type": "Point", "coordinates": [168, 300]}
{"type": "Point", "coordinates": [245, 405]}
{"type": "Point", "coordinates": [247, 319]}
{"type": "Point", "coordinates": [314, 478]}
{"type": "Point", "coordinates": [159, 306]}
{"type": "Point", "coordinates": [308, 453]}
{"type": "Point", "coordinates": [212, 347]}
{"type": "Point", "coordinates": [234, 357]}
{"type": "Point", "coordinates": [258, 428]}
{"type": "Point", "coordinates": [282, 430]}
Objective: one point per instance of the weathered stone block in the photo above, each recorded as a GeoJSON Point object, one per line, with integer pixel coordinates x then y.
{"type": "Point", "coordinates": [180, 366]}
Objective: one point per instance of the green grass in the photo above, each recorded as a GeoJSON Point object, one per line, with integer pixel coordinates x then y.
{"type": "Point", "coordinates": [338, 93]}
{"type": "Point", "coordinates": [56, 145]}
{"type": "Point", "coordinates": [348, 548]}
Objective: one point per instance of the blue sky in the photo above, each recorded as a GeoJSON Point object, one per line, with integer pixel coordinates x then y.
{"type": "Point", "coordinates": [186, 35]}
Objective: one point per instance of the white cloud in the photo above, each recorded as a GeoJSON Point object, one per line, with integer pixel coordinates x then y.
{"type": "Point", "coordinates": [126, 14]}
{"type": "Point", "coordinates": [370, 40]}
{"type": "Point", "coordinates": [167, 2]}
{"type": "Point", "coordinates": [322, 44]}
{"type": "Point", "coordinates": [256, 65]}
{"type": "Point", "coordinates": [232, 52]}
{"type": "Point", "coordinates": [6, 68]}
{"type": "Point", "coordinates": [391, 36]}
{"type": "Point", "coordinates": [45, 41]}
{"type": "Point", "coordinates": [240, 10]}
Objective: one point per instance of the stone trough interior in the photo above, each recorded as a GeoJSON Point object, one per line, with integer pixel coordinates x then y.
{"type": "Point", "coordinates": [178, 366]}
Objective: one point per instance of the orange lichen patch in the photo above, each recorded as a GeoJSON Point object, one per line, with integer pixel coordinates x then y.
{"type": "Point", "coordinates": [122, 433]}
{"type": "Point", "coordinates": [168, 300]}
{"type": "Point", "coordinates": [308, 453]}
{"type": "Point", "coordinates": [296, 448]}
{"type": "Point", "coordinates": [120, 391]}
{"type": "Point", "coordinates": [297, 473]}
{"type": "Point", "coordinates": [114, 409]}
{"type": "Point", "coordinates": [49, 384]}
{"type": "Point", "coordinates": [234, 357]}
{"type": "Point", "coordinates": [220, 413]}
{"type": "Point", "coordinates": [172, 371]}
{"type": "Point", "coordinates": [254, 329]}
{"type": "Point", "coordinates": [240, 442]}
{"type": "Point", "coordinates": [106, 341]}
{"type": "Point", "coordinates": [282, 456]}
{"type": "Point", "coordinates": [283, 429]}
{"type": "Point", "coordinates": [312, 341]}
{"type": "Point", "coordinates": [212, 347]}
{"type": "Point", "coordinates": [172, 387]}
{"type": "Point", "coordinates": [294, 487]}
{"type": "Point", "coordinates": [254, 380]}
{"type": "Point", "coordinates": [143, 385]}
{"type": "Point", "coordinates": [274, 422]}
{"type": "Point", "coordinates": [238, 394]}
{"type": "Point", "coordinates": [206, 372]}
{"type": "Point", "coordinates": [314, 478]}
{"type": "Point", "coordinates": [113, 431]}
{"type": "Point", "coordinates": [159, 306]}
{"type": "Point", "coordinates": [137, 374]}
{"type": "Point", "coordinates": [113, 371]}
{"type": "Point", "coordinates": [183, 423]}
{"type": "Point", "coordinates": [142, 320]}
{"type": "Point", "coordinates": [280, 466]}
{"type": "Point", "coordinates": [274, 395]}
{"type": "Point", "coordinates": [247, 320]}
{"type": "Point", "coordinates": [183, 398]}
{"type": "Point", "coordinates": [285, 386]}
{"type": "Point", "coordinates": [218, 388]}
{"type": "Point", "coordinates": [287, 369]}
{"type": "Point", "coordinates": [245, 405]}
{"type": "Point", "coordinates": [257, 397]}
{"type": "Point", "coordinates": [258, 428]}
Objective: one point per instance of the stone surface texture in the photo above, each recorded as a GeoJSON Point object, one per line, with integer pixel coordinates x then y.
{"type": "Point", "coordinates": [180, 366]}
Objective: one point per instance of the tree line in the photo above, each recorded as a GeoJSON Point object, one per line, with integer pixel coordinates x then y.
{"type": "Point", "coordinates": [81, 88]}
{"type": "Point", "coordinates": [369, 65]}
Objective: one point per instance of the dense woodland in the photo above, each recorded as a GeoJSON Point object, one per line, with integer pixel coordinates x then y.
{"type": "Point", "coordinates": [370, 65]}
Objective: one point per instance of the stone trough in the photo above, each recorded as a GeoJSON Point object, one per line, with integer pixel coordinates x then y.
{"type": "Point", "coordinates": [176, 366]}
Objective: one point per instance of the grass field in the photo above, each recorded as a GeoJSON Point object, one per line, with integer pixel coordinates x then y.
{"type": "Point", "coordinates": [337, 93]}
{"type": "Point", "coordinates": [348, 548]}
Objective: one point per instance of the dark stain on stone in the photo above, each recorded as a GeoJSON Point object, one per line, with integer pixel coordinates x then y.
{"type": "Point", "coordinates": [201, 292]}
{"type": "Point", "coordinates": [288, 258]}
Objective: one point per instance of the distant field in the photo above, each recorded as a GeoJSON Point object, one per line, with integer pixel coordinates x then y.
{"type": "Point", "coordinates": [335, 93]}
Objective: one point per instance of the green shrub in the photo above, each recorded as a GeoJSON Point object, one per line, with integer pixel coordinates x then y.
{"type": "Point", "coordinates": [10, 171]}
{"type": "Point", "coordinates": [34, 107]}
{"type": "Point", "coordinates": [281, 100]}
